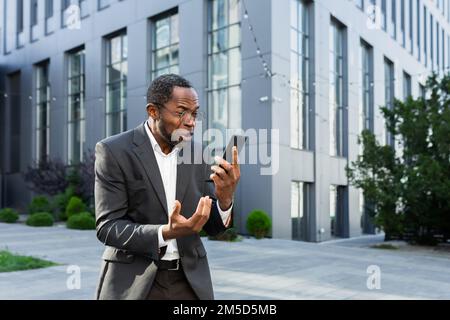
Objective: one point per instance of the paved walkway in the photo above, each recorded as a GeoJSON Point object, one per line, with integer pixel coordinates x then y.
{"type": "Point", "coordinates": [251, 269]}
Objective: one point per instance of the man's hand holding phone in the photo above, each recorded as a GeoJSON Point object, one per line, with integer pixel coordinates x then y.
{"type": "Point", "coordinates": [226, 177]}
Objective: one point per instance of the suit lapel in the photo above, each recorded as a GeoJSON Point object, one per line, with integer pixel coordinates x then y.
{"type": "Point", "coordinates": [146, 155]}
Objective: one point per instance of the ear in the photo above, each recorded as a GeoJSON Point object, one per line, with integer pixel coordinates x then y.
{"type": "Point", "coordinates": [152, 111]}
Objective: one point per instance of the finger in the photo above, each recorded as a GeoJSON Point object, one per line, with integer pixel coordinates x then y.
{"type": "Point", "coordinates": [235, 157]}
{"type": "Point", "coordinates": [223, 163]}
{"type": "Point", "coordinates": [219, 171]}
{"type": "Point", "coordinates": [216, 179]}
{"type": "Point", "coordinates": [176, 208]}
{"type": "Point", "coordinates": [207, 207]}
{"type": "Point", "coordinates": [198, 213]}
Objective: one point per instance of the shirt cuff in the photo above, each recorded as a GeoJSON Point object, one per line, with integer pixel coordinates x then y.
{"type": "Point", "coordinates": [161, 242]}
{"type": "Point", "coordinates": [225, 215]}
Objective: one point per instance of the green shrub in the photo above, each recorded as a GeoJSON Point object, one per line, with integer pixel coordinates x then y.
{"type": "Point", "coordinates": [39, 204]}
{"type": "Point", "coordinates": [258, 224]}
{"type": "Point", "coordinates": [228, 235]}
{"type": "Point", "coordinates": [202, 233]}
{"type": "Point", "coordinates": [75, 205]}
{"type": "Point", "coordinates": [40, 219]}
{"type": "Point", "coordinates": [8, 215]}
{"type": "Point", "coordinates": [60, 202]}
{"type": "Point", "coordinates": [81, 221]}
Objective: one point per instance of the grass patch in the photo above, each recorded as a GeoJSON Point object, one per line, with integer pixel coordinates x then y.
{"type": "Point", "coordinates": [11, 262]}
{"type": "Point", "coordinates": [385, 246]}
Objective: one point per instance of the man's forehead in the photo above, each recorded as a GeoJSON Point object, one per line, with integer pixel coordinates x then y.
{"type": "Point", "coordinates": [184, 95]}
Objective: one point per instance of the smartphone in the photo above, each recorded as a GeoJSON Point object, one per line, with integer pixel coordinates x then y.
{"type": "Point", "coordinates": [235, 141]}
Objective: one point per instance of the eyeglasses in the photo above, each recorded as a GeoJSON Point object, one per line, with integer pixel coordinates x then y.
{"type": "Point", "coordinates": [185, 115]}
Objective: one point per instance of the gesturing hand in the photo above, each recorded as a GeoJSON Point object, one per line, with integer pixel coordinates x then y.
{"type": "Point", "coordinates": [179, 226]}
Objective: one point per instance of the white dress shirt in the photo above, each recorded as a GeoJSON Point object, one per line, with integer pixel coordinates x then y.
{"type": "Point", "coordinates": [167, 164]}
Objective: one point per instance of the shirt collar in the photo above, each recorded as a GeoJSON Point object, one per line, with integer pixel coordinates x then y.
{"type": "Point", "coordinates": [154, 143]}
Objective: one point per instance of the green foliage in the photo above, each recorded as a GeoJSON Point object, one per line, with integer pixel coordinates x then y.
{"type": "Point", "coordinates": [228, 235]}
{"type": "Point", "coordinates": [202, 233]}
{"type": "Point", "coordinates": [258, 224]}
{"type": "Point", "coordinates": [60, 202]}
{"type": "Point", "coordinates": [40, 219]}
{"type": "Point", "coordinates": [11, 262]}
{"type": "Point", "coordinates": [8, 215]}
{"type": "Point", "coordinates": [75, 205]}
{"type": "Point", "coordinates": [81, 221]}
{"type": "Point", "coordinates": [410, 190]}
{"type": "Point", "coordinates": [39, 204]}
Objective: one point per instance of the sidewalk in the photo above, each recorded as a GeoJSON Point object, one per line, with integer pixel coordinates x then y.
{"type": "Point", "coordinates": [251, 269]}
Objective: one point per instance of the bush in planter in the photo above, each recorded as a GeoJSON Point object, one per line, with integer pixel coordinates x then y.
{"type": "Point", "coordinates": [40, 219]}
{"type": "Point", "coordinates": [258, 224]}
{"type": "Point", "coordinates": [39, 204]}
{"type": "Point", "coordinates": [81, 221]}
{"type": "Point", "coordinates": [60, 202]}
{"type": "Point", "coordinates": [75, 206]}
{"type": "Point", "coordinates": [8, 215]}
{"type": "Point", "coordinates": [228, 235]}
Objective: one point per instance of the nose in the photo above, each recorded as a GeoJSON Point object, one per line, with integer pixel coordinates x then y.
{"type": "Point", "coordinates": [189, 121]}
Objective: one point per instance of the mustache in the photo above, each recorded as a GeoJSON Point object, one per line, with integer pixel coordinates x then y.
{"type": "Point", "coordinates": [178, 135]}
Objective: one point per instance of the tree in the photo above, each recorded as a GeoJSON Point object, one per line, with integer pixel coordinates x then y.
{"type": "Point", "coordinates": [410, 188]}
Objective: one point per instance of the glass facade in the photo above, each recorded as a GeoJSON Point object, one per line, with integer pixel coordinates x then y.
{"type": "Point", "coordinates": [224, 65]}
{"type": "Point", "coordinates": [366, 103]}
{"type": "Point", "coordinates": [300, 209]}
{"type": "Point", "coordinates": [389, 94]}
{"type": "Point", "coordinates": [300, 75]}
{"type": "Point", "coordinates": [76, 106]}
{"type": "Point", "coordinates": [42, 111]}
{"type": "Point", "coordinates": [116, 84]}
{"type": "Point", "coordinates": [338, 88]}
{"type": "Point", "coordinates": [165, 46]}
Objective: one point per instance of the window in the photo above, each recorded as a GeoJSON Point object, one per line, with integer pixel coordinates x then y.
{"type": "Point", "coordinates": [165, 46]}
{"type": "Point", "coordinates": [402, 21]}
{"type": "Point", "coordinates": [42, 111]}
{"type": "Point", "coordinates": [224, 65]}
{"type": "Point", "coordinates": [383, 15]}
{"type": "Point", "coordinates": [300, 80]}
{"type": "Point", "coordinates": [33, 13]}
{"type": "Point", "coordinates": [14, 105]}
{"type": "Point", "coordinates": [425, 35]}
{"type": "Point", "coordinates": [407, 89]}
{"type": "Point", "coordinates": [418, 34]}
{"type": "Point", "coordinates": [431, 42]}
{"type": "Point", "coordinates": [443, 50]}
{"type": "Point", "coordinates": [19, 16]}
{"type": "Point", "coordinates": [389, 94]}
{"type": "Point", "coordinates": [411, 27]}
{"type": "Point", "coordinates": [76, 100]}
{"type": "Point", "coordinates": [422, 91]}
{"type": "Point", "coordinates": [338, 88]}
{"type": "Point", "coordinates": [337, 211]}
{"type": "Point", "coordinates": [48, 9]}
{"type": "Point", "coordinates": [438, 48]}
{"type": "Point", "coordinates": [393, 26]}
{"type": "Point", "coordinates": [300, 209]}
{"type": "Point", "coordinates": [366, 66]}
{"type": "Point", "coordinates": [360, 4]}
{"type": "Point", "coordinates": [68, 16]}
{"type": "Point", "coordinates": [103, 4]}
{"type": "Point", "coordinates": [116, 83]}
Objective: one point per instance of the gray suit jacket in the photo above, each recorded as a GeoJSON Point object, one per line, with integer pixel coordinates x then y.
{"type": "Point", "coordinates": [130, 205]}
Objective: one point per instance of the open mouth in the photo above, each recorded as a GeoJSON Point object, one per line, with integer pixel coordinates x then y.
{"type": "Point", "coordinates": [181, 135]}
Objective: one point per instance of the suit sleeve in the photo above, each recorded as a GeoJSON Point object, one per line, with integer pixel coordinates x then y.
{"type": "Point", "coordinates": [111, 204]}
{"type": "Point", "coordinates": [214, 225]}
